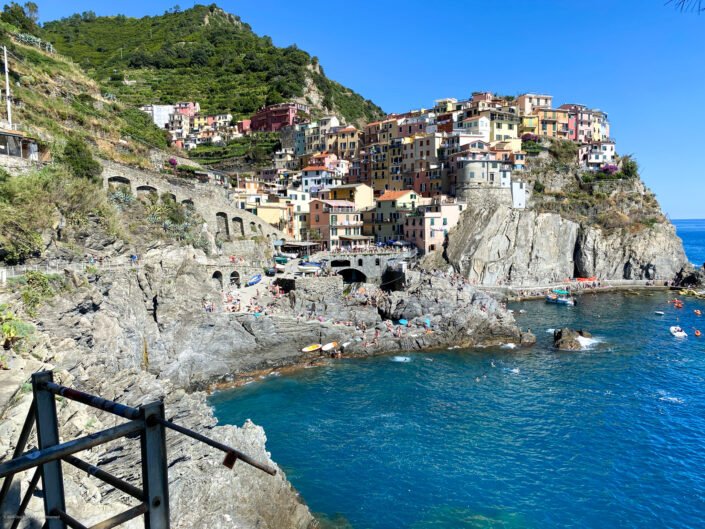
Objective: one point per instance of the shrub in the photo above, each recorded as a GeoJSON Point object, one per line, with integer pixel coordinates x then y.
{"type": "Point", "coordinates": [37, 290]}
{"type": "Point", "coordinates": [630, 167]}
{"type": "Point", "coordinates": [609, 169]}
{"type": "Point", "coordinates": [539, 187]}
{"type": "Point", "coordinates": [79, 159]}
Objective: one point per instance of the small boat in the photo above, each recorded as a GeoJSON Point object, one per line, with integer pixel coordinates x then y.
{"type": "Point", "coordinates": [560, 297]}
{"type": "Point", "coordinates": [678, 332]}
{"type": "Point", "coordinates": [287, 255]}
{"type": "Point", "coordinates": [280, 259]}
{"type": "Point", "coordinates": [270, 272]}
{"type": "Point", "coordinates": [697, 312]}
{"type": "Point", "coordinates": [254, 280]}
{"type": "Point", "coordinates": [403, 322]}
{"type": "Point", "coordinates": [329, 347]}
{"type": "Point", "coordinates": [311, 348]}
{"type": "Point", "coordinates": [309, 267]}
{"type": "Point", "coordinates": [586, 279]}
{"type": "Point", "coordinates": [659, 313]}
{"type": "Point", "coordinates": [279, 267]}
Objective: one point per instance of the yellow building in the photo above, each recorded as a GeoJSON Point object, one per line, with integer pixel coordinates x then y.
{"type": "Point", "coordinates": [529, 125]}
{"type": "Point", "coordinates": [503, 125]}
{"type": "Point", "coordinates": [390, 214]}
{"type": "Point", "coordinates": [553, 123]}
{"type": "Point", "coordinates": [361, 195]}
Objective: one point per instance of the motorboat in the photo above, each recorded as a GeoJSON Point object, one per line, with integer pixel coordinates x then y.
{"type": "Point", "coordinates": [309, 267]}
{"type": "Point", "coordinates": [279, 268]}
{"type": "Point", "coordinates": [560, 297]}
{"type": "Point", "coordinates": [280, 259]}
{"type": "Point", "coordinates": [678, 332]}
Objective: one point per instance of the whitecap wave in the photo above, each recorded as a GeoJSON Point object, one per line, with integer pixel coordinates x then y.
{"type": "Point", "coordinates": [551, 330]}
{"type": "Point", "coordinates": [509, 346]}
{"type": "Point", "coordinates": [588, 343]}
{"type": "Point", "coordinates": [674, 400]}
{"type": "Point", "coordinates": [401, 359]}
{"type": "Point", "coordinates": [515, 371]}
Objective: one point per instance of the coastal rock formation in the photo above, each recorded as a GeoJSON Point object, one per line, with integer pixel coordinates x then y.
{"type": "Point", "coordinates": [495, 244]}
{"type": "Point", "coordinates": [139, 334]}
{"type": "Point", "coordinates": [568, 339]}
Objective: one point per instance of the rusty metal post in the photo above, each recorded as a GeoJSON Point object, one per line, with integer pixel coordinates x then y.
{"type": "Point", "coordinates": [155, 480]}
{"type": "Point", "coordinates": [48, 435]}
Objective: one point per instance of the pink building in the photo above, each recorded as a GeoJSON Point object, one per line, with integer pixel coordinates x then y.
{"type": "Point", "coordinates": [244, 126]}
{"type": "Point", "coordinates": [187, 108]}
{"type": "Point", "coordinates": [336, 224]}
{"type": "Point", "coordinates": [579, 122]}
{"type": "Point", "coordinates": [275, 117]}
{"type": "Point", "coordinates": [428, 226]}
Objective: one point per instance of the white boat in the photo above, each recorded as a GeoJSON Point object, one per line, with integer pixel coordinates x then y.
{"type": "Point", "coordinates": [659, 313]}
{"type": "Point", "coordinates": [329, 347]}
{"type": "Point", "coordinates": [288, 255]}
{"type": "Point", "coordinates": [678, 332]}
{"type": "Point", "coordinates": [280, 267]}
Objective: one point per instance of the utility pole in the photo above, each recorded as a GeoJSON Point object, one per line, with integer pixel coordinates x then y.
{"type": "Point", "coordinates": [7, 89]}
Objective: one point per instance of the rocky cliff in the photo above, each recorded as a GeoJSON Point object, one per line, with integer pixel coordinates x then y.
{"type": "Point", "coordinates": [612, 229]}
{"type": "Point", "coordinates": [494, 245]}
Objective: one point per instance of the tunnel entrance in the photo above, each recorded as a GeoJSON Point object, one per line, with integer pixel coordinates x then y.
{"type": "Point", "coordinates": [352, 275]}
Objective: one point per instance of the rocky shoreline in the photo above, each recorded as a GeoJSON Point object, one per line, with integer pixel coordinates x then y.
{"type": "Point", "coordinates": [137, 335]}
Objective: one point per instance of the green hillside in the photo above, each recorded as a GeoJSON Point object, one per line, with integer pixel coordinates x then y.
{"type": "Point", "coordinates": [202, 54]}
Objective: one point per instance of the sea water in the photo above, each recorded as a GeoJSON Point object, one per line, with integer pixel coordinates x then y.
{"type": "Point", "coordinates": [610, 436]}
{"type": "Point", "coordinates": [692, 231]}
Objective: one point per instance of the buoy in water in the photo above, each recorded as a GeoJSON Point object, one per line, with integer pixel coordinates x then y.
{"type": "Point", "coordinates": [697, 333]}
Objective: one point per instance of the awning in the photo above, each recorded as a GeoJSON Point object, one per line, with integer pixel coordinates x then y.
{"type": "Point", "coordinates": [355, 237]}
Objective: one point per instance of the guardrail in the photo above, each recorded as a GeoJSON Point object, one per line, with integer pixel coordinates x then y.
{"type": "Point", "coordinates": [148, 421]}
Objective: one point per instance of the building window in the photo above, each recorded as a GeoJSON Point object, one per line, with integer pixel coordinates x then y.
{"type": "Point", "coordinates": [445, 221]}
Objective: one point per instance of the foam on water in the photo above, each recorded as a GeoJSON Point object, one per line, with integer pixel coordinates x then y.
{"type": "Point", "coordinates": [509, 346]}
{"type": "Point", "coordinates": [588, 343]}
{"type": "Point", "coordinates": [401, 359]}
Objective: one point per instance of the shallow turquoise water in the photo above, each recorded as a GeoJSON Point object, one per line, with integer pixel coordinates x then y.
{"type": "Point", "coordinates": [609, 437]}
{"type": "Point", "coordinates": [692, 231]}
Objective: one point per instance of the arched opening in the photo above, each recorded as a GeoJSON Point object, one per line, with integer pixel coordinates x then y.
{"type": "Point", "coordinates": [377, 261]}
{"type": "Point", "coordinates": [339, 263]}
{"type": "Point", "coordinates": [171, 196]}
{"type": "Point", "coordinates": [235, 279]}
{"type": "Point", "coordinates": [188, 203]}
{"type": "Point", "coordinates": [253, 227]}
{"type": "Point", "coordinates": [392, 280]}
{"type": "Point", "coordinates": [352, 275]}
{"type": "Point", "coordinates": [359, 262]}
{"type": "Point", "coordinates": [217, 280]}
{"type": "Point", "coordinates": [223, 230]}
{"type": "Point", "coordinates": [119, 181]}
{"type": "Point", "coordinates": [143, 191]}
{"type": "Point", "coordinates": [238, 227]}
{"type": "Point", "coordinates": [260, 228]}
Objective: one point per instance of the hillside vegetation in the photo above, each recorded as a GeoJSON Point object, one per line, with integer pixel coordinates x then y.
{"type": "Point", "coordinates": [202, 54]}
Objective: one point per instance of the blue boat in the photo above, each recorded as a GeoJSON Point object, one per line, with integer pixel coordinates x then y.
{"type": "Point", "coordinates": [254, 280]}
{"type": "Point", "coordinates": [560, 297]}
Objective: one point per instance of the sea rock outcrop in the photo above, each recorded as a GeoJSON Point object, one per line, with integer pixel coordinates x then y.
{"type": "Point", "coordinates": [569, 339]}
{"type": "Point", "coordinates": [500, 245]}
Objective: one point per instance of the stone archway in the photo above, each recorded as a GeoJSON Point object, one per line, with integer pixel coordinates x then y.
{"type": "Point", "coordinates": [352, 275]}
{"type": "Point", "coordinates": [235, 278]}
{"type": "Point", "coordinates": [217, 280]}
{"type": "Point", "coordinates": [238, 226]}
{"type": "Point", "coordinates": [337, 263]}
{"type": "Point", "coordinates": [145, 190]}
{"type": "Point", "coordinates": [119, 181]}
{"type": "Point", "coordinates": [222, 227]}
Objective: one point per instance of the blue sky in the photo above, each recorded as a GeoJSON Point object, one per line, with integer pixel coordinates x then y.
{"type": "Point", "coordinates": [639, 60]}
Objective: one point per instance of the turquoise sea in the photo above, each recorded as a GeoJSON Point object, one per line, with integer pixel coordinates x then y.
{"type": "Point", "coordinates": [609, 437]}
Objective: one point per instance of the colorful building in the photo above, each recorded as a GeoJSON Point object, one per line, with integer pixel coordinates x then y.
{"type": "Point", "coordinates": [361, 195]}
{"type": "Point", "coordinates": [390, 212]}
{"type": "Point", "coordinates": [427, 227]}
{"type": "Point", "coordinates": [274, 117]}
{"type": "Point", "coordinates": [336, 224]}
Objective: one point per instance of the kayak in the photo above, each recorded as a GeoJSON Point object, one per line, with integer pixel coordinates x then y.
{"type": "Point", "coordinates": [254, 280]}
{"type": "Point", "coordinates": [311, 348]}
{"type": "Point", "coordinates": [329, 346]}
{"type": "Point", "coordinates": [678, 332]}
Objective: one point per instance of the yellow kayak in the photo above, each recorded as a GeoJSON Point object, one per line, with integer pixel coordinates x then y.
{"type": "Point", "coordinates": [311, 348]}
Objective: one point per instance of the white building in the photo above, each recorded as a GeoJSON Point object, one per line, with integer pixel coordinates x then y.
{"type": "Point", "coordinates": [159, 113]}
{"type": "Point", "coordinates": [520, 192]}
{"type": "Point", "coordinates": [597, 154]}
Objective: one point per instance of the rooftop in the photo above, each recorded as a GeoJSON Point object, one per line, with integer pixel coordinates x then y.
{"type": "Point", "coordinates": [315, 168]}
{"type": "Point", "coordinates": [394, 195]}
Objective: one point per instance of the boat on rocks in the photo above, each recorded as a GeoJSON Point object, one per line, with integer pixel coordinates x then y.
{"type": "Point", "coordinates": [254, 280]}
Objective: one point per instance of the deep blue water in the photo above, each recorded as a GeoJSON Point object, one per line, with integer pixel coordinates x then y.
{"type": "Point", "coordinates": [609, 437]}
{"type": "Point", "coordinates": [692, 231]}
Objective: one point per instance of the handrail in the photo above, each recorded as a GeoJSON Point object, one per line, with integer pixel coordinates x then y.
{"type": "Point", "coordinates": [148, 421]}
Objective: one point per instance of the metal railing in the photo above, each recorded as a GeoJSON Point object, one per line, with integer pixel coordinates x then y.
{"type": "Point", "coordinates": [148, 422]}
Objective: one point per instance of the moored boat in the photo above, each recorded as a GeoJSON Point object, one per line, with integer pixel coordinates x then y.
{"type": "Point", "coordinates": [329, 347]}
{"type": "Point", "coordinates": [311, 348]}
{"type": "Point", "coordinates": [280, 259]}
{"type": "Point", "coordinates": [254, 280]}
{"type": "Point", "coordinates": [678, 332]}
{"type": "Point", "coordinates": [560, 297]}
